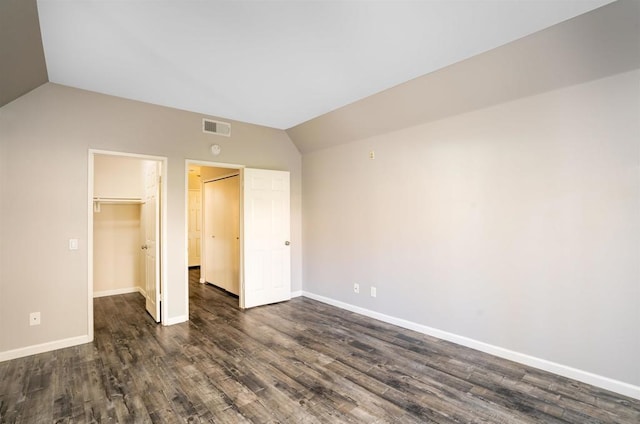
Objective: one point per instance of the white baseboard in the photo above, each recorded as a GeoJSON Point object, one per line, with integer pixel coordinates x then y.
{"type": "Point", "coordinates": [176, 320]}
{"type": "Point", "coordinates": [620, 387]}
{"type": "Point", "coordinates": [297, 293]}
{"type": "Point", "coordinates": [43, 347]}
{"type": "Point", "coordinates": [118, 291]}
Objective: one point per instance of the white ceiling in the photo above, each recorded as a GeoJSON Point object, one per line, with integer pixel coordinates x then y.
{"type": "Point", "coordinates": [274, 63]}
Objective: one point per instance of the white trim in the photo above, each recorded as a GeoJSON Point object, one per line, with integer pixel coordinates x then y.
{"type": "Point", "coordinates": [164, 237]}
{"type": "Point", "coordinates": [296, 293]}
{"type": "Point", "coordinates": [617, 386]}
{"type": "Point", "coordinates": [185, 248]}
{"type": "Point", "coordinates": [116, 292]}
{"type": "Point", "coordinates": [210, 165]}
{"type": "Point", "coordinates": [90, 184]}
{"type": "Point", "coordinates": [127, 154]}
{"type": "Point", "coordinates": [43, 347]}
{"type": "Point", "coordinates": [175, 320]}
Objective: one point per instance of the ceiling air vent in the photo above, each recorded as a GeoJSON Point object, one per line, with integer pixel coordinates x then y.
{"type": "Point", "coordinates": [210, 126]}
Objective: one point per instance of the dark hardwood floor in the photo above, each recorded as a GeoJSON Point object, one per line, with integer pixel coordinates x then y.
{"type": "Point", "coordinates": [296, 362]}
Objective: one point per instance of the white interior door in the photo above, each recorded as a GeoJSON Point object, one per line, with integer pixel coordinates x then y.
{"type": "Point", "coordinates": [266, 233]}
{"type": "Point", "coordinates": [195, 226]}
{"type": "Point", "coordinates": [222, 233]}
{"type": "Point", "coordinates": [151, 216]}
{"type": "Point", "coordinates": [212, 236]}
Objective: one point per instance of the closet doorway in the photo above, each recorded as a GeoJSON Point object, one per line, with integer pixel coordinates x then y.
{"type": "Point", "coordinates": [250, 243]}
{"type": "Point", "coordinates": [125, 227]}
{"type": "Point", "coordinates": [214, 225]}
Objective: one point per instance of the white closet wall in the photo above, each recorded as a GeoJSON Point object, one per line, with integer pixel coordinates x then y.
{"type": "Point", "coordinates": [116, 251]}
{"type": "Point", "coordinates": [117, 258]}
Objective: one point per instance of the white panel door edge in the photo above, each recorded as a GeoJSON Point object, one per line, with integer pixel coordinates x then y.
{"type": "Point", "coordinates": [221, 233]}
{"type": "Point", "coordinates": [151, 216]}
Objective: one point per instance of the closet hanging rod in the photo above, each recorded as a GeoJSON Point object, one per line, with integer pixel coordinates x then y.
{"type": "Point", "coordinates": [119, 200]}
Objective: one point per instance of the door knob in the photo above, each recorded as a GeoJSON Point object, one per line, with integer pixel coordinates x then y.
{"type": "Point", "coordinates": [287, 243]}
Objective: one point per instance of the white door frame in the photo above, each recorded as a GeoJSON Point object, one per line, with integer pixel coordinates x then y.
{"type": "Point", "coordinates": [229, 166]}
{"type": "Point", "coordinates": [163, 230]}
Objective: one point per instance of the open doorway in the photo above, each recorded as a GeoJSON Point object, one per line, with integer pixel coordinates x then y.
{"type": "Point", "coordinates": [263, 259]}
{"type": "Point", "coordinates": [125, 227]}
{"type": "Point", "coordinates": [214, 226]}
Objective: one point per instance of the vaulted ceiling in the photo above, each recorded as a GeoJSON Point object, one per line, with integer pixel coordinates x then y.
{"type": "Point", "coordinates": [274, 63]}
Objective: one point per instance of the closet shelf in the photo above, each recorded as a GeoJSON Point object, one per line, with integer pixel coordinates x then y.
{"type": "Point", "coordinates": [118, 200]}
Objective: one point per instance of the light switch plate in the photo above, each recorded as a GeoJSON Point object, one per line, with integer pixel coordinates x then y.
{"type": "Point", "coordinates": [73, 244]}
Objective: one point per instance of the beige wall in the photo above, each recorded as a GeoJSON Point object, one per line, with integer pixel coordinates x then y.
{"type": "Point", "coordinates": [22, 66]}
{"type": "Point", "coordinates": [515, 226]}
{"type": "Point", "coordinates": [209, 172]}
{"type": "Point", "coordinates": [118, 176]}
{"type": "Point", "coordinates": [52, 129]}
{"type": "Point", "coordinates": [195, 181]}
{"type": "Point", "coordinates": [116, 249]}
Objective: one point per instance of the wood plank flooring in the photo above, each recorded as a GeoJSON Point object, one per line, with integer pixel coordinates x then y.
{"type": "Point", "coordinates": [296, 362]}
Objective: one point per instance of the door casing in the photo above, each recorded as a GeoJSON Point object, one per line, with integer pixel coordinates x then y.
{"type": "Point", "coordinates": [162, 226]}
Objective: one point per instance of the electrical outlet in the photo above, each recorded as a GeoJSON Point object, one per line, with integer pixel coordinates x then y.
{"type": "Point", "coordinates": [34, 318]}
{"type": "Point", "coordinates": [373, 292]}
{"type": "Point", "coordinates": [356, 288]}
{"type": "Point", "coordinates": [372, 154]}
